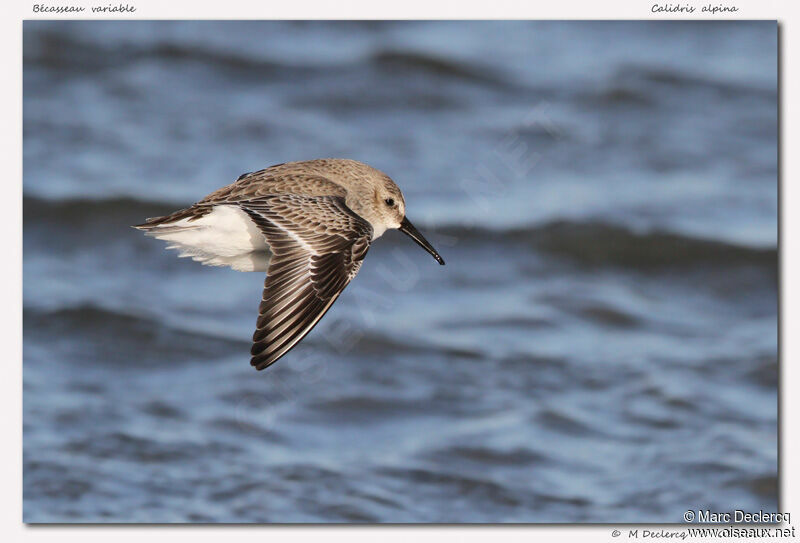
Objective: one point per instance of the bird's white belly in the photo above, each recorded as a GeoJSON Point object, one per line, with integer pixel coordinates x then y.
{"type": "Point", "coordinates": [225, 237]}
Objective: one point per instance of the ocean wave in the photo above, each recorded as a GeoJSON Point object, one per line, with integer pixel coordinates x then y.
{"type": "Point", "coordinates": [73, 212]}
{"type": "Point", "coordinates": [521, 457]}
{"type": "Point", "coordinates": [371, 342]}
{"type": "Point", "coordinates": [666, 78]}
{"type": "Point", "coordinates": [595, 243]}
{"type": "Point", "coordinates": [95, 335]}
{"type": "Point", "coordinates": [618, 95]}
{"type": "Point", "coordinates": [377, 100]}
{"type": "Point", "coordinates": [426, 64]}
{"type": "Point", "coordinates": [642, 87]}
{"type": "Point", "coordinates": [127, 447]}
{"type": "Point", "coordinates": [65, 53]}
{"type": "Point", "coordinates": [481, 489]}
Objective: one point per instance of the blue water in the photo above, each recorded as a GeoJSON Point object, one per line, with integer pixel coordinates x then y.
{"type": "Point", "coordinates": [601, 346]}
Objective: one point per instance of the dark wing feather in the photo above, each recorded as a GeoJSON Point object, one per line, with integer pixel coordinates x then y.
{"type": "Point", "coordinates": [318, 245]}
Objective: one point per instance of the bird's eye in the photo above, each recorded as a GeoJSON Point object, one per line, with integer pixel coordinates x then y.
{"type": "Point", "coordinates": [389, 202]}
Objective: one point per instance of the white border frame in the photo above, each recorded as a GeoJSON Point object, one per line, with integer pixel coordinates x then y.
{"type": "Point", "coordinates": [12, 528]}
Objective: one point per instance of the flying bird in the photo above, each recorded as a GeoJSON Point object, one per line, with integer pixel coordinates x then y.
{"type": "Point", "coordinates": [307, 224]}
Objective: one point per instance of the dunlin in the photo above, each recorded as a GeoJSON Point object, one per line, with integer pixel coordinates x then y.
{"type": "Point", "coordinates": [307, 224]}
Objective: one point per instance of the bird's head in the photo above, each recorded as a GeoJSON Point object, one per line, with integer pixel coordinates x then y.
{"type": "Point", "coordinates": [386, 210]}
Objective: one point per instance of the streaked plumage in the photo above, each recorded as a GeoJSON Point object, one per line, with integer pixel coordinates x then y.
{"type": "Point", "coordinates": [307, 224]}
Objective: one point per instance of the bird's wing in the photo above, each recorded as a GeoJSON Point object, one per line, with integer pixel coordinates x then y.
{"type": "Point", "coordinates": [318, 245]}
{"type": "Point", "coordinates": [273, 180]}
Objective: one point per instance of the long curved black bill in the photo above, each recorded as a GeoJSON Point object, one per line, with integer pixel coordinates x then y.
{"type": "Point", "coordinates": [408, 229]}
